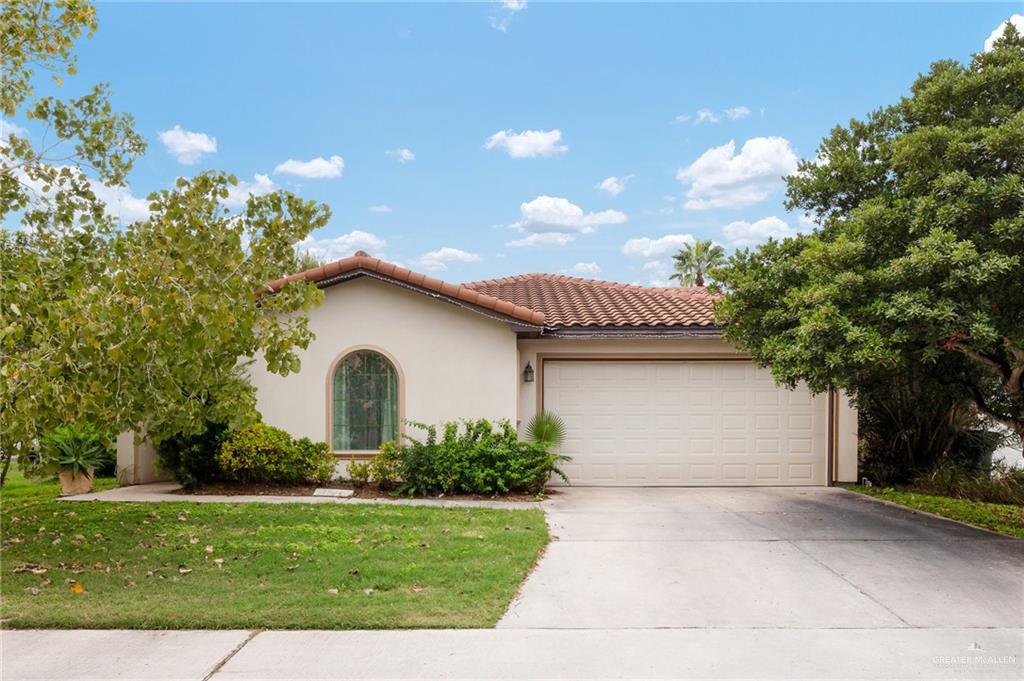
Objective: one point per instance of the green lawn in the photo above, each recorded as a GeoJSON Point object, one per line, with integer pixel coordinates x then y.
{"type": "Point", "coordinates": [186, 565]}
{"type": "Point", "coordinates": [1004, 518]}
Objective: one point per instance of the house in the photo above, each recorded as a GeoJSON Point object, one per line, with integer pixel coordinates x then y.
{"type": "Point", "coordinates": [649, 391]}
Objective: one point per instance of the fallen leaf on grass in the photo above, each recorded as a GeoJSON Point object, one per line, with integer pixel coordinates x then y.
{"type": "Point", "coordinates": [219, 562]}
{"type": "Point", "coordinates": [77, 588]}
{"type": "Point", "coordinates": [184, 570]}
{"type": "Point", "coordinates": [34, 568]}
{"type": "Point", "coordinates": [369, 592]}
{"type": "Point", "coordinates": [333, 592]}
{"type": "Point", "coordinates": [33, 590]}
{"type": "Point", "coordinates": [417, 589]}
{"type": "Point", "coordinates": [208, 549]}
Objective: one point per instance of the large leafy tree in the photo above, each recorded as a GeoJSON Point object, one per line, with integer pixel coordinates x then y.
{"type": "Point", "coordinates": [694, 261]}
{"type": "Point", "coordinates": [117, 324]}
{"type": "Point", "coordinates": [918, 264]}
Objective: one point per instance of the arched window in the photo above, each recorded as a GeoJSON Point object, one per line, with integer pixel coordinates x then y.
{"type": "Point", "coordinates": [365, 404]}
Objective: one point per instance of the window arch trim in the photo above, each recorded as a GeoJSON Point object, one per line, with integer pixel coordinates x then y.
{"type": "Point", "coordinates": [400, 377]}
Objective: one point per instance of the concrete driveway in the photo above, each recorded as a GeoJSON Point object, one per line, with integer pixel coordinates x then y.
{"type": "Point", "coordinates": [764, 557]}
{"type": "Point", "coordinates": [653, 583]}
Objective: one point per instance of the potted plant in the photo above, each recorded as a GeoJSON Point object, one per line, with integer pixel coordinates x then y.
{"type": "Point", "coordinates": [75, 452]}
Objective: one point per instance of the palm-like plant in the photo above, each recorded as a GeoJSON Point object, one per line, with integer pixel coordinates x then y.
{"type": "Point", "coordinates": [693, 262]}
{"type": "Point", "coordinates": [546, 429]}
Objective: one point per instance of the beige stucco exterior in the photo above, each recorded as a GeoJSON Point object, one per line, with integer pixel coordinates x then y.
{"type": "Point", "coordinates": [452, 362]}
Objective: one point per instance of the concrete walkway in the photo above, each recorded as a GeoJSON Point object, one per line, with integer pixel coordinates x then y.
{"type": "Point", "coordinates": [163, 492]}
{"type": "Point", "coordinates": [655, 583]}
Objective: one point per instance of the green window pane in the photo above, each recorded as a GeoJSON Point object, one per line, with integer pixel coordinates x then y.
{"type": "Point", "coordinates": [365, 405]}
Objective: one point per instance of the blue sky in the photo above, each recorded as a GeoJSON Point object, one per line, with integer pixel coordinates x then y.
{"type": "Point", "coordinates": [409, 120]}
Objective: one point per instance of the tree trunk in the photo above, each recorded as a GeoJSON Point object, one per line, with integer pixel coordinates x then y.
{"type": "Point", "coordinates": [6, 458]}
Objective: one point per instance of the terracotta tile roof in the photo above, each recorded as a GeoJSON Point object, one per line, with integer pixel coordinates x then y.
{"type": "Point", "coordinates": [362, 262]}
{"type": "Point", "coordinates": [572, 301]}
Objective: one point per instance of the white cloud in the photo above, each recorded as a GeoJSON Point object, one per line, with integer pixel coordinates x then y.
{"type": "Point", "coordinates": [705, 116]}
{"type": "Point", "coordinates": [589, 268]}
{"type": "Point", "coordinates": [508, 9]}
{"type": "Point", "coordinates": [379, 208]}
{"type": "Point", "coordinates": [403, 155]}
{"type": "Point", "coordinates": [736, 113]}
{"type": "Point", "coordinates": [614, 185]}
{"type": "Point", "coordinates": [543, 239]}
{"type": "Point", "coordinates": [710, 116]}
{"type": "Point", "coordinates": [187, 146]}
{"type": "Point", "coordinates": [336, 248]}
{"type": "Point", "coordinates": [317, 168]}
{"type": "Point", "coordinates": [658, 272]}
{"type": "Point", "coordinates": [437, 261]}
{"type": "Point", "coordinates": [121, 203]}
{"type": "Point", "coordinates": [1018, 22]}
{"type": "Point", "coordinates": [239, 194]}
{"type": "Point", "coordinates": [527, 144]}
{"type": "Point", "coordinates": [556, 214]}
{"type": "Point", "coordinates": [645, 247]}
{"type": "Point", "coordinates": [742, 233]}
{"type": "Point", "coordinates": [721, 178]}
{"type": "Point", "coordinates": [806, 223]}
{"type": "Point", "coordinates": [7, 129]}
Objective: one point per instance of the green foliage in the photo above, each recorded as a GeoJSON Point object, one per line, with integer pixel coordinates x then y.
{"type": "Point", "coordinates": [192, 459]}
{"type": "Point", "coordinates": [471, 457]}
{"type": "Point", "coordinates": [1005, 518]}
{"type": "Point", "coordinates": [546, 429]}
{"type": "Point", "coordinates": [912, 422]}
{"type": "Point", "coordinates": [264, 454]}
{"type": "Point", "coordinates": [994, 484]}
{"type": "Point", "coordinates": [79, 449]}
{"type": "Point", "coordinates": [152, 322]}
{"type": "Point", "coordinates": [918, 259]}
{"type": "Point", "coordinates": [695, 261]}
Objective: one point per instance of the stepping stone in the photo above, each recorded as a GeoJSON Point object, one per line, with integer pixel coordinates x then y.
{"type": "Point", "coordinates": [331, 492]}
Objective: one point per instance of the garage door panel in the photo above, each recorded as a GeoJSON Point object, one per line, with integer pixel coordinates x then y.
{"type": "Point", "coordinates": [685, 423]}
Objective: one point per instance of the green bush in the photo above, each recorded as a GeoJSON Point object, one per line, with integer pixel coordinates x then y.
{"type": "Point", "coordinates": [77, 449]}
{"type": "Point", "coordinates": [192, 459]}
{"type": "Point", "coordinates": [382, 468]}
{"type": "Point", "coordinates": [264, 454]}
{"type": "Point", "coordinates": [997, 484]}
{"type": "Point", "coordinates": [471, 457]}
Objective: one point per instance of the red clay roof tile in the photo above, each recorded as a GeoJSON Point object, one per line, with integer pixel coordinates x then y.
{"type": "Point", "coordinates": [572, 301]}
{"type": "Point", "coordinates": [545, 299]}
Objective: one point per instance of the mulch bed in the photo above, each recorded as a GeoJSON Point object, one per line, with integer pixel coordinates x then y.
{"type": "Point", "coordinates": [368, 492]}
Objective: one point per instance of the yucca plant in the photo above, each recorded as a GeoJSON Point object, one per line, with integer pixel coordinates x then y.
{"type": "Point", "coordinates": [78, 449]}
{"type": "Point", "coordinates": [546, 429]}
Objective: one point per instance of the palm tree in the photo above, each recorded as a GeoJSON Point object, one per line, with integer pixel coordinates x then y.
{"type": "Point", "coordinates": [694, 261]}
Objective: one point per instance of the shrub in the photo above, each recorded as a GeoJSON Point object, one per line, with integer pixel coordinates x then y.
{"type": "Point", "coordinates": [264, 454]}
{"type": "Point", "coordinates": [997, 484]}
{"type": "Point", "coordinates": [473, 457]}
{"type": "Point", "coordinates": [914, 421]}
{"type": "Point", "coordinates": [192, 459]}
{"type": "Point", "coordinates": [382, 468]}
{"type": "Point", "coordinates": [77, 449]}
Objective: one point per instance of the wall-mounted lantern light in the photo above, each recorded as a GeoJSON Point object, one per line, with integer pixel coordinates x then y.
{"type": "Point", "coordinates": [528, 374]}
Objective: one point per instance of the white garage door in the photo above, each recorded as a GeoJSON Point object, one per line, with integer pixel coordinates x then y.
{"type": "Point", "coordinates": [685, 423]}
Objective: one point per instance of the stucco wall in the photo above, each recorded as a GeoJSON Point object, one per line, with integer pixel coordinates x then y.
{"type": "Point", "coordinates": [846, 436]}
{"type": "Point", "coordinates": [453, 363]}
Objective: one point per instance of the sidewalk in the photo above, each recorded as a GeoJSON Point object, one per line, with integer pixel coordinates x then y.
{"type": "Point", "coordinates": [163, 492]}
{"type": "Point", "coordinates": [513, 654]}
